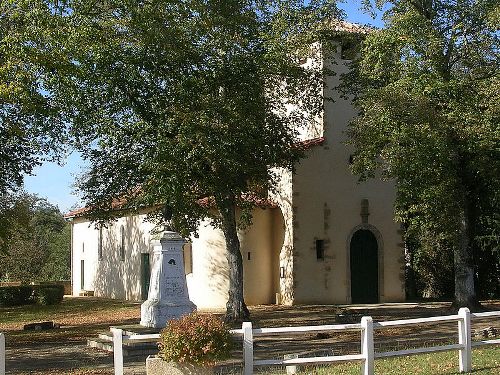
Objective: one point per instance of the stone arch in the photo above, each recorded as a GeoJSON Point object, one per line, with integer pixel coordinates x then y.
{"type": "Point", "coordinates": [380, 259]}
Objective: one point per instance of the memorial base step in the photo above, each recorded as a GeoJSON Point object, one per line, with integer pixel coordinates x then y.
{"type": "Point", "coordinates": [104, 341]}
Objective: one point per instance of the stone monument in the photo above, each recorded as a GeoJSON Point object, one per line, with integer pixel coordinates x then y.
{"type": "Point", "coordinates": [168, 296]}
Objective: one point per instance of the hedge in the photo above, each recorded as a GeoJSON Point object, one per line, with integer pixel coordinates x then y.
{"type": "Point", "coordinates": [47, 294]}
{"type": "Point", "coordinates": [16, 295]}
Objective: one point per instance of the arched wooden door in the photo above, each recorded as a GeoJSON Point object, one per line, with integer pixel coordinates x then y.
{"type": "Point", "coordinates": [364, 267]}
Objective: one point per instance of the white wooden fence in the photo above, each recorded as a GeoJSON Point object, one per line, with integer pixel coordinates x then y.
{"type": "Point", "coordinates": [2, 354]}
{"type": "Point", "coordinates": [119, 338]}
{"type": "Point", "coordinates": [367, 353]}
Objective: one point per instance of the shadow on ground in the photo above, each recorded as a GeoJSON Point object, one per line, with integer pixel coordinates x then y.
{"type": "Point", "coordinates": [64, 350]}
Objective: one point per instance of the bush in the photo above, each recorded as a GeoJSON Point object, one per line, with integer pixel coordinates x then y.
{"type": "Point", "coordinates": [48, 294]}
{"type": "Point", "coordinates": [194, 338]}
{"type": "Point", "coordinates": [16, 295]}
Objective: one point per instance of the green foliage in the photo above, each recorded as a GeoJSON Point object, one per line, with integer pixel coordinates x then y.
{"type": "Point", "coordinates": [427, 88]}
{"type": "Point", "coordinates": [37, 244]}
{"type": "Point", "coordinates": [15, 295]}
{"type": "Point", "coordinates": [31, 125]}
{"type": "Point", "coordinates": [186, 99]}
{"type": "Point", "coordinates": [48, 294]}
{"type": "Point", "coordinates": [174, 101]}
{"type": "Point", "coordinates": [195, 338]}
{"type": "Point", "coordinates": [433, 267]}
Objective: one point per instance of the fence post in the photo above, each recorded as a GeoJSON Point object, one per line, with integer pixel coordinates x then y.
{"type": "Point", "coordinates": [2, 354]}
{"type": "Point", "coordinates": [367, 349]}
{"type": "Point", "coordinates": [290, 370]}
{"type": "Point", "coordinates": [247, 348]}
{"type": "Point", "coordinates": [464, 337]}
{"type": "Point", "coordinates": [118, 350]}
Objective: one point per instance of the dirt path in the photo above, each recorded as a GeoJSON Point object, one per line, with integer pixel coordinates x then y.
{"type": "Point", "coordinates": [41, 355]}
{"type": "Point", "coordinates": [60, 358]}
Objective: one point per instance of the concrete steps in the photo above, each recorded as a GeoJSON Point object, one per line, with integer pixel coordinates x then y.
{"type": "Point", "coordinates": [104, 341]}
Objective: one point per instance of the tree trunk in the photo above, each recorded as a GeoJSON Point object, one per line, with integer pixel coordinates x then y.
{"type": "Point", "coordinates": [236, 309]}
{"type": "Point", "coordinates": [410, 282]}
{"type": "Point", "coordinates": [465, 292]}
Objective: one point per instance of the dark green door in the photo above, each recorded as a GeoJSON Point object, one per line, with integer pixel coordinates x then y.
{"type": "Point", "coordinates": [145, 275]}
{"type": "Point", "coordinates": [364, 267]}
{"type": "Point", "coordinates": [82, 274]}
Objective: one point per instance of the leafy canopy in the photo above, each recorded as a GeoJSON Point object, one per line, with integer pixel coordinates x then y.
{"type": "Point", "coordinates": [37, 243]}
{"type": "Point", "coordinates": [427, 87]}
{"type": "Point", "coordinates": [31, 125]}
{"type": "Point", "coordinates": [181, 100]}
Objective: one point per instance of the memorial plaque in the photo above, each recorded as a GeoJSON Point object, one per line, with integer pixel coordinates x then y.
{"type": "Point", "coordinates": [168, 296]}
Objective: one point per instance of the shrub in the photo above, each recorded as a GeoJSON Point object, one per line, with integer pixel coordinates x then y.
{"type": "Point", "coordinates": [48, 294]}
{"type": "Point", "coordinates": [45, 294]}
{"type": "Point", "coordinates": [195, 338]}
{"type": "Point", "coordinates": [15, 295]}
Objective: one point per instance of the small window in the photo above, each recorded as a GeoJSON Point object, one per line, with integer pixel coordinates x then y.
{"type": "Point", "coordinates": [320, 249]}
{"type": "Point", "coordinates": [348, 50]}
{"type": "Point", "coordinates": [122, 243]}
{"type": "Point", "coordinates": [99, 243]}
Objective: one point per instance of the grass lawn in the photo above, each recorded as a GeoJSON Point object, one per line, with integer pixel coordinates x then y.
{"type": "Point", "coordinates": [79, 319]}
{"type": "Point", "coordinates": [485, 361]}
{"type": "Point", "coordinates": [82, 318]}
{"type": "Point", "coordinates": [70, 311]}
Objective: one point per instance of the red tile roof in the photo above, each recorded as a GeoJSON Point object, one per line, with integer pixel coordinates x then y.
{"type": "Point", "coordinates": [208, 202]}
{"type": "Point", "coordinates": [116, 204]}
{"type": "Point", "coordinates": [204, 202]}
{"type": "Point", "coordinates": [309, 143]}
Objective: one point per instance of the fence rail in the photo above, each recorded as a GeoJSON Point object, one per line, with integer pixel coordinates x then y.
{"type": "Point", "coordinates": [2, 354]}
{"type": "Point", "coordinates": [367, 353]}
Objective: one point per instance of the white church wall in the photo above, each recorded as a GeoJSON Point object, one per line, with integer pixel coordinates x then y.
{"type": "Point", "coordinates": [113, 272]}
{"type": "Point", "coordinates": [209, 283]}
{"type": "Point", "coordinates": [118, 274]}
{"type": "Point", "coordinates": [84, 256]}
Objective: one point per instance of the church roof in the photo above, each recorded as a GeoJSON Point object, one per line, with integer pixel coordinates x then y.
{"type": "Point", "coordinates": [349, 27]}
{"type": "Point", "coordinates": [309, 143]}
{"type": "Point", "coordinates": [207, 202]}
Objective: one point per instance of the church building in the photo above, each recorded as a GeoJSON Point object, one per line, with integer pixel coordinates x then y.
{"type": "Point", "coordinates": [323, 238]}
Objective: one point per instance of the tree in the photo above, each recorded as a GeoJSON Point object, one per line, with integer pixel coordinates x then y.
{"type": "Point", "coordinates": [427, 87]}
{"type": "Point", "coordinates": [175, 101]}
{"type": "Point", "coordinates": [38, 245]}
{"type": "Point", "coordinates": [31, 126]}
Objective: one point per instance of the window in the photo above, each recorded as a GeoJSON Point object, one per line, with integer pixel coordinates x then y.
{"type": "Point", "coordinates": [82, 274]}
{"type": "Point", "coordinates": [122, 243]}
{"type": "Point", "coordinates": [349, 49]}
{"type": "Point", "coordinates": [99, 243]}
{"type": "Point", "coordinates": [320, 249]}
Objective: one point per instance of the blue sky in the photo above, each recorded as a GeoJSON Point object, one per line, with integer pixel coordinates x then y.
{"type": "Point", "coordinates": [55, 182]}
